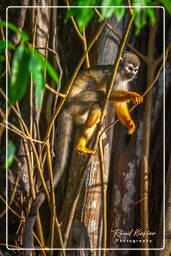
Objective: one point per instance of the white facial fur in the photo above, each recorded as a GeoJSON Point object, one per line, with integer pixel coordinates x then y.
{"type": "Point", "coordinates": [129, 68]}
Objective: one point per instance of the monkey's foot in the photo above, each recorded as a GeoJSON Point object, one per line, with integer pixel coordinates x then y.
{"type": "Point", "coordinates": [84, 150]}
{"type": "Point", "coordinates": [131, 127]}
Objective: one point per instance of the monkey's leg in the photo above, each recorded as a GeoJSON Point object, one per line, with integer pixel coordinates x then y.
{"type": "Point", "coordinates": [88, 131]}
{"type": "Point", "coordinates": [124, 116]}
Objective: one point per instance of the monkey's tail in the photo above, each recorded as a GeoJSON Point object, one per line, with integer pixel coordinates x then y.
{"type": "Point", "coordinates": [62, 151]}
{"type": "Point", "coordinates": [62, 145]}
{"type": "Point", "coordinates": [29, 224]}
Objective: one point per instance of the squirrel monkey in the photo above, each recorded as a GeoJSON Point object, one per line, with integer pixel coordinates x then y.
{"type": "Point", "coordinates": [83, 104]}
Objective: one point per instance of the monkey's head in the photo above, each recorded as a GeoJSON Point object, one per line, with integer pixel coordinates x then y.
{"type": "Point", "coordinates": [129, 65]}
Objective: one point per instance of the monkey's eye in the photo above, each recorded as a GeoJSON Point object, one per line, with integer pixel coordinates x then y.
{"type": "Point", "coordinates": [130, 68]}
{"type": "Point", "coordinates": [135, 70]}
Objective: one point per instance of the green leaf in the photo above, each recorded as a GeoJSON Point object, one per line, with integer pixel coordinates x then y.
{"type": "Point", "coordinates": [11, 26]}
{"type": "Point", "coordinates": [36, 69]}
{"type": "Point", "coordinates": [2, 59]}
{"type": "Point", "coordinates": [138, 2]}
{"type": "Point", "coordinates": [46, 65]}
{"type": "Point", "coordinates": [141, 14]}
{"type": "Point", "coordinates": [71, 12]}
{"type": "Point", "coordinates": [167, 5]}
{"type": "Point", "coordinates": [107, 12]}
{"type": "Point", "coordinates": [37, 66]}
{"type": "Point", "coordinates": [85, 2]}
{"type": "Point", "coordinates": [19, 74]}
{"type": "Point", "coordinates": [151, 14]}
{"type": "Point", "coordinates": [84, 17]}
{"type": "Point", "coordinates": [3, 45]}
{"type": "Point", "coordinates": [119, 13]}
{"type": "Point", "coordinates": [51, 71]}
{"type": "Point", "coordinates": [107, 3]}
{"type": "Point", "coordinates": [11, 149]}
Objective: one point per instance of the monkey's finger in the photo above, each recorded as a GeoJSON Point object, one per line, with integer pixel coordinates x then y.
{"type": "Point", "coordinates": [138, 100]}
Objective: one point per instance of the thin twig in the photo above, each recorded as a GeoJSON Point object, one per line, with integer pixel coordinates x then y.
{"type": "Point", "coordinates": [85, 49]}
{"type": "Point", "coordinates": [54, 91]}
{"type": "Point", "coordinates": [130, 9]}
{"type": "Point", "coordinates": [10, 245]}
{"type": "Point", "coordinates": [11, 198]}
{"type": "Point", "coordinates": [4, 117]}
{"type": "Point", "coordinates": [17, 131]}
{"type": "Point", "coordinates": [9, 207]}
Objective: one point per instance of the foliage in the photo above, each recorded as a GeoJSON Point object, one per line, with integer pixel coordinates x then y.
{"type": "Point", "coordinates": [19, 74]}
{"type": "Point", "coordinates": [141, 14]}
{"type": "Point", "coordinates": [83, 15]}
{"type": "Point", "coordinates": [167, 5]}
{"type": "Point", "coordinates": [24, 36]}
{"type": "Point", "coordinates": [2, 49]}
{"type": "Point", "coordinates": [26, 62]}
{"type": "Point", "coordinates": [11, 149]}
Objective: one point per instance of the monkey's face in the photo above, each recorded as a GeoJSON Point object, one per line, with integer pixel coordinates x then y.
{"type": "Point", "coordinates": [129, 71]}
{"type": "Point", "coordinates": [129, 65]}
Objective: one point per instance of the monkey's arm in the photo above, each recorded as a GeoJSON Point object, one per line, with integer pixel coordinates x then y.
{"type": "Point", "coordinates": [120, 98]}
{"type": "Point", "coordinates": [124, 116]}
{"type": "Point", "coordinates": [125, 96]}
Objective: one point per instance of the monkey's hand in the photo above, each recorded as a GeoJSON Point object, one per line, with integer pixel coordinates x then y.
{"type": "Point", "coordinates": [136, 97]}
{"type": "Point", "coordinates": [124, 116]}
